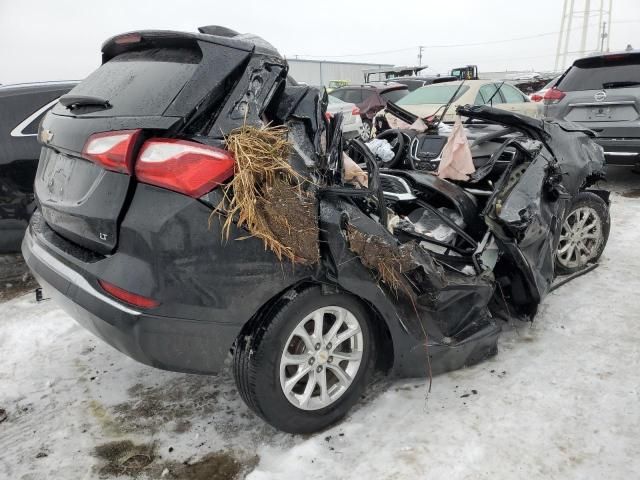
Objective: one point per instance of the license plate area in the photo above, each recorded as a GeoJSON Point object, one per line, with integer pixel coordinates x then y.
{"type": "Point", "coordinates": [600, 113]}
{"type": "Point", "coordinates": [66, 180]}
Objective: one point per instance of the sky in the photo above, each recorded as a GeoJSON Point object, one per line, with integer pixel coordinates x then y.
{"type": "Point", "coordinates": [60, 40]}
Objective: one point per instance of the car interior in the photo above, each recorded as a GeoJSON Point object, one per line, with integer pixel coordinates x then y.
{"type": "Point", "coordinates": [444, 216]}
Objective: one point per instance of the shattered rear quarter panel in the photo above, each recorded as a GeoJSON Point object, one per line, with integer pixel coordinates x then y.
{"type": "Point", "coordinates": [420, 325]}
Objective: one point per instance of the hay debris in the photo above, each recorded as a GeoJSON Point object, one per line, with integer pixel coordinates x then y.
{"type": "Point", "coordinates": [266, 195]}
{"type": "Point", "coordinates": [389, 262]}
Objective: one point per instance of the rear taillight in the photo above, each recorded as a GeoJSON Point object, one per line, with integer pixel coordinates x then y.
{"type": "Point", "coordinates": [128, 297]}
{"type": "Point", "coordinates": [553, 95]}
{"type": "Point", "coordinates": [536, 97]}
{"type": "Point", "coordinates": [355, 111]}
{"type": "Point", "coordinates": [112, 150]}
{"type": "Point", "coordinates": [186, 167]}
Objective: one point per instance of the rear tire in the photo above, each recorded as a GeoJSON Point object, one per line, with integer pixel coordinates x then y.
{"type": "Point", "coordinates": [297, 380]}
{"type": "Point", "coordinates": [584, 234]}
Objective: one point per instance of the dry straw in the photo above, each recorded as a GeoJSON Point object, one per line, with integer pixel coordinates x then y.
{"type": "Point", "coordinates": [264, 190]}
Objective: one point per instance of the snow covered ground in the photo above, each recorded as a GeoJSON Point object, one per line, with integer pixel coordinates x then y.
{"type": "Point", "coordinates": [561, 400]}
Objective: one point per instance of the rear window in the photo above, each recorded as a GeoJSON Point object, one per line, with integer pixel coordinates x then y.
{"type": "Point", "coordinates": [394, 95]}
{"type": "Point", "coordinates": [433, 94]}
{"type": "Point", "coordinates": [139, 83]}
{"type": "Point", "coordinates": [615, 71]}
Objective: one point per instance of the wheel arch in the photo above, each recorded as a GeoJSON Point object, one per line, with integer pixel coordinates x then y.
{"type": "Point", "coordinates": [255, 326]}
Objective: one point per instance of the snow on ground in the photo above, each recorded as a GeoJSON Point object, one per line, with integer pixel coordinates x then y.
{"type": "Point", "coordinates": [561, 400]}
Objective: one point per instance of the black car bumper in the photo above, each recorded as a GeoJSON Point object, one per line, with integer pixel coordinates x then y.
{"type": "Point", "coordinates": [620, 151]}
{"type": "Point", "coordinates": [164, 342]}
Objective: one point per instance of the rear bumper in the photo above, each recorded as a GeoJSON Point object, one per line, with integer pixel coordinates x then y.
{"type": "Point", "coordinates": [620, 151]}
{"type": "Point", "coordinates": [176, 344]}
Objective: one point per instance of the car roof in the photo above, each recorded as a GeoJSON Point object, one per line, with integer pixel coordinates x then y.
{"type": "Point", "coordinates": [607, 54]}
{"type": "Point", "coordinates": [423, 77]}
{"type": "Point", "coordinates": [473, 84]}
{"type": "Point", "coordinates": [381, 86]}
{"type": "Point", "coordinates": [466, 82]}
{"type": "Point", "coordinates": [598, 55]}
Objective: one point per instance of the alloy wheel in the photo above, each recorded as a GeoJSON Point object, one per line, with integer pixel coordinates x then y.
{"type": "Point", "coordinates": [321, 358]}
{"type": "Point", "coordinates": [580, 239]}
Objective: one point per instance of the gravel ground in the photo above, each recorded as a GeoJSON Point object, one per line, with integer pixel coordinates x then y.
{"type": "Point", "coordinates": [561, 400]}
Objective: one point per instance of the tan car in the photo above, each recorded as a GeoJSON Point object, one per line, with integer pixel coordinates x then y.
{"type": "Point", "coordinates": [430, 99]}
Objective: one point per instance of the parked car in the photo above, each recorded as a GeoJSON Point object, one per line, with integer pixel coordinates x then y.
{"type": "Point", "coordinates": [370, 99]}
{"type": "Point", "coordinates": [602, 92]}
{"type": "Point", "coordinates": [431, 99]}
{"type": "Point", "coordinates": [351, 122]}
{"type": "Point", "coordinates": [413, 83]}
{"type": "Point", "coordinates": [22, 107]}
{"type": "Point", "coordinates": [126, 236]}
{"type": "Point", "coordinates": [539, 95]}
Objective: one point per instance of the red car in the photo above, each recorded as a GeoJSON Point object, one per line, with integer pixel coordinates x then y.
{"type": "Point", "coordinates": [370, 98]}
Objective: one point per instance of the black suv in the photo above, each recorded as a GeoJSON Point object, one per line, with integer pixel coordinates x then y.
{"type": "Point", "coordinates": [602, 93]}
{"type": "Point", "coordinates": [127, 234]}
{"type": "Point", "coordinates": [22, 107]}
{"type": "Point", "coordinates": [370, 98]}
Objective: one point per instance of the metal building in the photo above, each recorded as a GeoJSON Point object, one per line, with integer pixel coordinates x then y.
{"type": "Point", "coordinates": [321, 72]}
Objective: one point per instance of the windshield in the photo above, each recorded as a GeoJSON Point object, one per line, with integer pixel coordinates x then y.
{"type": "Point", "coordinates": [433, 94]}
{"type": "Point", "coordinates": [612, 71]}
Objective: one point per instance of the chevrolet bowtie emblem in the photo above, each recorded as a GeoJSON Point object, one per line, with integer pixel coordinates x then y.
{"type": "Point", "coordinates": [45, 136]}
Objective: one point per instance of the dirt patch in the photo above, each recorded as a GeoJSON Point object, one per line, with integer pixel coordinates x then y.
{"type": "Point", "coordinates": [221, 465]}
{"type": "Point", "coordinates": [123, 457]}
{"type": "Point", "coordinates": [292, 216]}
{"type": "Point", "coordinates": [635, 193]}
{"type": "Point", "coordinates": [3, 415]}
{"type": "Point", "coordinates": [152, 408]}
{"type": "Point", "coordinates": [388, 261]}
{"type": "Point", "coordinates": [267, 196]}
{"type": "Point", "coordinates": [15, 278]}
{"type": "Point", "coordinates": [173, 406]}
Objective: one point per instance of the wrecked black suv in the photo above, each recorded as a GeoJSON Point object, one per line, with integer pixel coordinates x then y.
{"type": "Point", "coordinates": [193, 201]}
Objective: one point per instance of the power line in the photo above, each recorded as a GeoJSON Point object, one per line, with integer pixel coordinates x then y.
{"type": "Point", "coordinates": [453, 45]}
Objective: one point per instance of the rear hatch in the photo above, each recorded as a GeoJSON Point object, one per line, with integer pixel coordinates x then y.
{"type": "Point", "coordinates": [602, 93]}
{"type": "Point", "coordinates": [150, 84]}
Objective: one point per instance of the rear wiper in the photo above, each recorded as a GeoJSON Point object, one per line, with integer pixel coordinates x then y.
{"type": "Point", "coordinates": [619, 84]}
{"type": "Point", "coordinates": [75, 101]}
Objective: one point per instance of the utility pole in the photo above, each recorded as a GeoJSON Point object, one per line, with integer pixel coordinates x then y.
{"type": "Point", "coordinates": [603, 36]}
{"type": "Point", "coordinates": [420, 48]}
